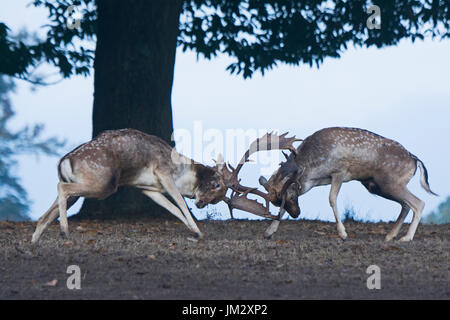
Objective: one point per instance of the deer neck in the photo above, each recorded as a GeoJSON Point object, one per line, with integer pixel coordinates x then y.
{"type": "Point", "coordinates": [185, 176]}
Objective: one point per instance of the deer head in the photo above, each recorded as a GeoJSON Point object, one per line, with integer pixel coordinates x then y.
{"type": "Point", "coordinates": [283, 188]}
{"type": "Point", "coordinates": [211, 183]}
{"type": "Point", "coordinates": [281, 194]}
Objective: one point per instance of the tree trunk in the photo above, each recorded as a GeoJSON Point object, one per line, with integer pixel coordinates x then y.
{"type": "Point", "coordinates": [134, 65]}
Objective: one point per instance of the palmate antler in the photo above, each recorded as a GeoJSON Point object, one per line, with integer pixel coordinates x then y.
{"type": "Point", "coordinates": [238, 199]}
{"type": "Point", "coordinates": [269, 141]}
{"type": "Point", "coordinates": [241, 202]}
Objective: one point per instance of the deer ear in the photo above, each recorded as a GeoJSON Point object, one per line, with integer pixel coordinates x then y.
{"type": "Point", "coordinates": [263, 181]}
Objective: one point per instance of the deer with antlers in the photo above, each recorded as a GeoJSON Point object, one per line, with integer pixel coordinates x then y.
{"type": "Point", "coordinates": [337, 155]}
{"type": "Point", "coordinates": [239, 193]}
{"type": "Point", "coordinates": [128, 157]}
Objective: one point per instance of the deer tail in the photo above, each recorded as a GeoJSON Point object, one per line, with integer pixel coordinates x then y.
{"type": "Point", "coordinates": [423, 176]}
{"type": "Point", "coordinates": [65, 173]}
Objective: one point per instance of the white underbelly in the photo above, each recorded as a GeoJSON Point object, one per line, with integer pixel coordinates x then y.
{"type": "Point", "coordinates": [146, 177]}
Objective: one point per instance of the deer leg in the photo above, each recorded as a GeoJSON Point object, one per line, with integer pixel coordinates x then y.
{"type": "Point", "coordinates": [398, 224]}
{"type": "Point", "coordinates": [169, 185]}
{"type": "Point", "coordinates": [67, 190]}
{"type": "Point", "coordinates": [161, 200]}
{"type": "Point", "coordinates": [274, 225]}
{"type": "Point", "coordinates": [62, 206]}
{"type": "Point", "coordinates": [391, 191]}
{"type": "Point", "coordinates": [417, 206]}
{"type": "Point", "coordinates": [336, 183]}
{"type": "Point", "coordinates": [48, 217]}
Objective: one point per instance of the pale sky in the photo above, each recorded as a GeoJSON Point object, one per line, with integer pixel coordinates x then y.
{"type": "Point", "coordinates": [400, 92]}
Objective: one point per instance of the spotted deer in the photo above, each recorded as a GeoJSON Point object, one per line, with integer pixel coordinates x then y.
{"type": "Point", "coordinates": [337, 155]}
{"type": "Point", "coordinates": [128, 157]}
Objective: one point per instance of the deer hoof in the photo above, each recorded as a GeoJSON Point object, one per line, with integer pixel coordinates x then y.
{"type": "Point", "coordinates": [343, 236]}
{"type": "Point", "coordinates": [267, 235]}
{"type": "Point", "coordinates": [405, 239]}
{"type": "Point", "coordinates": [271, 229]}
{"type": "Point", "coordinates": [34, 238]}
{"type": "Point", "coordinates": [199, 235]}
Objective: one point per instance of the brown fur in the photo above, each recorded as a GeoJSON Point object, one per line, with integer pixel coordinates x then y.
{"type": "Point", "coordinates": [128, 157]}
{"type": "Point", "coordinates": [337, 155]}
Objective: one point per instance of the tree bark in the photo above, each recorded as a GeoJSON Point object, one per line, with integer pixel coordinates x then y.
{"type": "Point", "coordinates": [134, 66]}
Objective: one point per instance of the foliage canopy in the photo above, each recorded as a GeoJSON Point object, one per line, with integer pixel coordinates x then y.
{"type": "Point", "coordinates": [256, 34]}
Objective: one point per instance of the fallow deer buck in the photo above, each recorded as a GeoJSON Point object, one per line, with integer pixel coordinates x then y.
{"type": "Point", "coordinates": [128, 157]}
{"type": "Point", "coordinates": [337, 155]}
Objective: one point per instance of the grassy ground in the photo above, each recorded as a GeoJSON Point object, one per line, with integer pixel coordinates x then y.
{"type": "Point", "coordinates": [157, 260]}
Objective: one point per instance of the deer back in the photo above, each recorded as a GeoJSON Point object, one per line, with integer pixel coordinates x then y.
{"type": "Point", "coordinates": [124, 152]}
{"type": "Point", "coordinates": [355, 153]}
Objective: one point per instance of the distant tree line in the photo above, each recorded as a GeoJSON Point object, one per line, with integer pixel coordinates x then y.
{"type": "Point", "coordinates": [441, 215]}
{"type": "Point", "coordinates": [14, 201]}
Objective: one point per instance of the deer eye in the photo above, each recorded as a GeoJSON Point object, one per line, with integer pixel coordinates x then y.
{"type": "Point", "coordinates": [217, 186]}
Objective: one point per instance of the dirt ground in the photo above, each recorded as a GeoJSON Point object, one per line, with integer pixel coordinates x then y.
{"type": "Point", "coordinates": [157, 259]}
